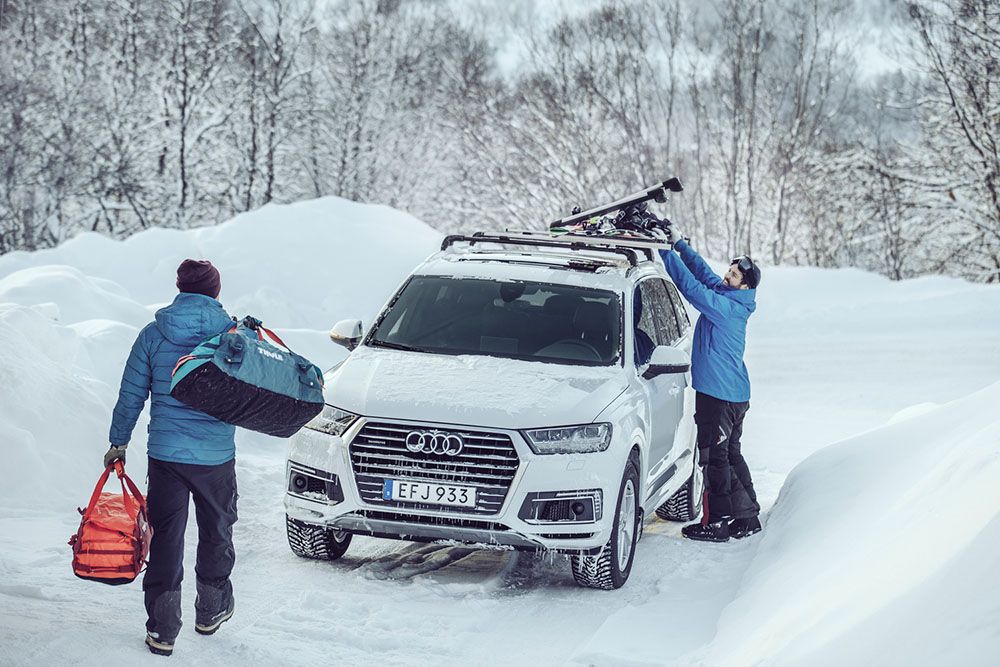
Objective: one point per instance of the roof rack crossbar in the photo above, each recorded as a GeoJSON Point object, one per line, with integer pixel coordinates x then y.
{"type": "Point", "coordinates": [571, 242]}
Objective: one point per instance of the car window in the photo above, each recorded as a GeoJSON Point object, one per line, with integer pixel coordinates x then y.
{"type": "Point", "coordinates": [516, 319]}
{"type": "Point", "coordinates": [645, 323]}
{"type": "Point", "coordinates": [668, 330]}
{"type": "Point", "coordinates": [683, 321]}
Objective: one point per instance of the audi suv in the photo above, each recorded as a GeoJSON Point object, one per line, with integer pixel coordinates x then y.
{"type": "Point", "coordinates": [513, 393]}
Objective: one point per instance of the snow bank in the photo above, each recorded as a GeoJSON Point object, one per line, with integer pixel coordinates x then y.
{"type": "Point", "coordinates": [68, 317]}
{"type": "Point", "coordinates": [833, 352]}
{"type": "Point", "coordinates": [53, 416]}
{"type": "Point", "coordinates": [880, 548]}
{"type": "Point", "coordinates": [298, 265]}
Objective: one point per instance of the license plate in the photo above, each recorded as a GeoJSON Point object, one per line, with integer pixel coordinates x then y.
{"type": "Point", "coordinates": [423, 492]}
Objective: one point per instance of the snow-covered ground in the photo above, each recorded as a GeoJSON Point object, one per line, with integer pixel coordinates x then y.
{"type": "Point", "coordinates": [873, 436]}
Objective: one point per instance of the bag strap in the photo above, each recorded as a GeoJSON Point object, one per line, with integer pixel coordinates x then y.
{"type": "Point", "coordinates": [258, 327]}
{"type": "Point", "coordinates": [275, 337]}
{"type": "Point", "coordinates": [97, 491]}
{"type": "Point", "coordinates": [132, 488]}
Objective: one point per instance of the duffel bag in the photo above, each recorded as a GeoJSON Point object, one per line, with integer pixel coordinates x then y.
{"type": "Point", "coordinates": [112, 543]}
{"type": "Point", "coordinates": [244, 380]}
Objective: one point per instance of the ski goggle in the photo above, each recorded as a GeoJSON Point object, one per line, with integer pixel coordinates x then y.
{"type": "Point", "coordinates": [744, 263]}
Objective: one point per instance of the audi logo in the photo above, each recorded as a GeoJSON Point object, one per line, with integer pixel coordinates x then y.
{"type": "Point", "coordinates": [434, 442]}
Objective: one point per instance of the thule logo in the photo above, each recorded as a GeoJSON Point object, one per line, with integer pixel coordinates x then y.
{"type": "Point", "coordinates": [272, 355]}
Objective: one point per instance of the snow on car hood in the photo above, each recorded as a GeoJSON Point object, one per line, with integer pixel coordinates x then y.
{"type": "Point", "coordinates": [471, 390]}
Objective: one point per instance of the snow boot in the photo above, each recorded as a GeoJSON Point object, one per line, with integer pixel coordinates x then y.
{"type": "Point", "coordinates": [707, 532]}
{"type": "Point", "coordinates": [208, 626]}
{"type": "Point", "coordinates": [740, 528]}
{"type": "Point", "coordinates": [159, 646]}
{"type": "Point", "coordinates": [213, 606]}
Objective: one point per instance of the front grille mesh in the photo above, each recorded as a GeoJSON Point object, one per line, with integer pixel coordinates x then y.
{"type": "Point", "coordinates": [488, 462]}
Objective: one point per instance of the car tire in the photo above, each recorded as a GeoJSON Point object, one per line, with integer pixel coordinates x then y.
{"type": "Point", "coordinates": [685, 504]}
{"type": "Point", "coordinates": [610, 568]}
{"type": "Point", "coordinates": [317, 542]}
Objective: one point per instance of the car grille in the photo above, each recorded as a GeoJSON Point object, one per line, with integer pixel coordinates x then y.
{"type": "Point", "coordinates": [488, 462]}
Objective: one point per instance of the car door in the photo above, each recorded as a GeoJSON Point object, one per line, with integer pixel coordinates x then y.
{"type": "Point", "coordinates": [665, 395]}
{"type": "Point", "coordinates": [685, 430]}
{"type": "Point", "coordinates": [672, 385]}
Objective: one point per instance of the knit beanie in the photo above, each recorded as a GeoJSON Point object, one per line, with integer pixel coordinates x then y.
{"type": "Point", "coordinates": [199, 277]}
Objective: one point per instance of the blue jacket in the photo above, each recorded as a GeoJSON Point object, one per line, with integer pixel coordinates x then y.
{"type": "Point", "coordinates": [720, 335]}
{"type": "Point", "coordinates": [177, 433]}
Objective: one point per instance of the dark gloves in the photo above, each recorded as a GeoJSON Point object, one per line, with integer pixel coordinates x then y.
{"type": "Point", "coordinates": [674, 234]}
{"type": "Point", "coordinates": [115, 453]}
{"type": "Point", "coordinates": [703, 455]}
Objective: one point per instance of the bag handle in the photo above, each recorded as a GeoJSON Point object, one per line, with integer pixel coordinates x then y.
{"type": "Point", "coordinates": [133, 489]}
{"type": "Point", "coordinates": [119, 468]}
{"type": "Point", "coordinates": [258, 327]}
{"type": "Point", "coordinates": [97, 491]}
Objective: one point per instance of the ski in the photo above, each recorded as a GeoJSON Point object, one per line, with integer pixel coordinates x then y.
{"type": "Point", "coordinates": [599, 240]}
{"type": "Point", "coordinates": [656, 193]}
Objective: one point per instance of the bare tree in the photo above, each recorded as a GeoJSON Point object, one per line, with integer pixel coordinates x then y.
{"type": "Point", "coordinates": [958, 42]}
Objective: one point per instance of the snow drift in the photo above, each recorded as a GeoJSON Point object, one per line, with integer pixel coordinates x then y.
{"type": "Point", "coordinates": [883, 548]}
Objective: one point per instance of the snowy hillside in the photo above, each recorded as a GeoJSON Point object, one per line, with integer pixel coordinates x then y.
{"type": "Point", "coordinates": [873, 433]}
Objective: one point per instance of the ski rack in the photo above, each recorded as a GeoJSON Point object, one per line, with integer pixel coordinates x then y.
{"type": "Point", "coordinates": [654, 193]}
{"type": "Point", "coordinates": [624, 246]}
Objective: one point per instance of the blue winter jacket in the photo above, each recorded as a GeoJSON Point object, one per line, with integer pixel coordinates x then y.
{"type": "Point", "coordinates": [177, 433]}
{"type": "Point", "coordinates": [720, 335]}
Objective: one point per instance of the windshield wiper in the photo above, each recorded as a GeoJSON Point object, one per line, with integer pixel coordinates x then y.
{"type": "Point", "coordinates": [397, 346]}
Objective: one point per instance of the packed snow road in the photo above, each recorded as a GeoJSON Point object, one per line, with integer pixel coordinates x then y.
{"type": "Point", "coordinates": [831, 354]}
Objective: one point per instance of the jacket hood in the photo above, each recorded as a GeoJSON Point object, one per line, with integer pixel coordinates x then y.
{"type": "Point", "coordinates": [192, 318]}
{"type": "Point", "coordinates": [745, 297]}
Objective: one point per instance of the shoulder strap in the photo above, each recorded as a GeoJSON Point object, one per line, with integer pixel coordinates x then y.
{"type": "Point", "coordinates": [275, 337]}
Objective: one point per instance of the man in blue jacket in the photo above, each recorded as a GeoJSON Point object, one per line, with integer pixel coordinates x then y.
{"type": "Point", "coordinates": [722, 386]}
{"type": "Point", "coordinates": [190, 454]}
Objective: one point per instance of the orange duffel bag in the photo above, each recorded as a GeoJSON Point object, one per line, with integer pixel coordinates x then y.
{"type": "Point", "coordinates": [112, 544]}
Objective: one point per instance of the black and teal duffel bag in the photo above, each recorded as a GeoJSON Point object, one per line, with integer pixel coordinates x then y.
{"type": "Point", "coordinates": [240, 378]}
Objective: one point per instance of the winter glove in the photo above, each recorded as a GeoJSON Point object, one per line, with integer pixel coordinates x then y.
{"type": "Point", "coordinates": [660, 233]}
{"type": "Point", "coordinates": [674, 234]}
{"type": "Point", "coordinates": [115, 453]}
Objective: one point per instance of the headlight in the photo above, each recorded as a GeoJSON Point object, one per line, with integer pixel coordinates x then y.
{"type": "Point", "coordinates": [570, 439]}
{"type": "Point", "coordinates": [332, 420]}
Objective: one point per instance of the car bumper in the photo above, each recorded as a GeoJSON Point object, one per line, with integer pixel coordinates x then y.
{"type": "Point", "coordinates": [333, 498]}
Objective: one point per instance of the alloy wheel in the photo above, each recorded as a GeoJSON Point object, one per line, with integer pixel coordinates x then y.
{"type": "Point", "coordinates": [626, 525]}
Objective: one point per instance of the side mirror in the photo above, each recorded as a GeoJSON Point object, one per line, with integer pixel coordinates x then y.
{"type": "Point", "coordinates": [347, 333]}
{"type": "Point", "coordinates": [667, 360]}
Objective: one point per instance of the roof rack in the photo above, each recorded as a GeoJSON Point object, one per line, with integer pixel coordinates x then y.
{"type": "Point", "coordinates": [625, 246]}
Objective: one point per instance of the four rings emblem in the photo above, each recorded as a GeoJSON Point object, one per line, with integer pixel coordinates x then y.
{"type": "Point", "coordinates": [434, 442]}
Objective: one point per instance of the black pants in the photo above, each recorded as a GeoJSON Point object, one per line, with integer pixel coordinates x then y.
{"type": "Point", "coordinates": [171, 485]}
{"type": "Point", "coordinates": [730, 489]}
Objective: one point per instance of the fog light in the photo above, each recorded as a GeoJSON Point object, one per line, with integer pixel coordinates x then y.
{"type": "Point", "coordinates": [582, 506]}
{"type": "Point", "coordinates": [314, 484]}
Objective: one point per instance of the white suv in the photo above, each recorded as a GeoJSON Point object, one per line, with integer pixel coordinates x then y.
{"type": "Point", "coordinates": [518, 391]}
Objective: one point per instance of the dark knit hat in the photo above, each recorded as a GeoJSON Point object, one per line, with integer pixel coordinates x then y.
{"type": "Point", "coordinates": [199, 277]}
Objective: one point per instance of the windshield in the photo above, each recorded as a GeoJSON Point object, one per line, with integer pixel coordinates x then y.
{"type": "Point", "coordinates": [520, 320]}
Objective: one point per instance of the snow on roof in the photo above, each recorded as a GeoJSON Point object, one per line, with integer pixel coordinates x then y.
{"type": "Point", "coordinates": [566, 267]}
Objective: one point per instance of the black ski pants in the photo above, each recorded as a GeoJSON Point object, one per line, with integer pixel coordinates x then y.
{"type": "Point", "coordinates": [171, 486]}
{"type": "Point", "coordinates": [730, 493]}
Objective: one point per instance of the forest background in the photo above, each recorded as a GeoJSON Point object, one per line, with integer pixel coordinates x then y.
{"type": "Point", "coordinates": [820, 132]}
